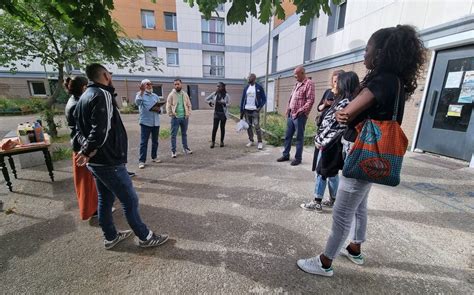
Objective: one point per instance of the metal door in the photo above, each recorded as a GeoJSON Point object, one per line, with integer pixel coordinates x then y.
{"type": "Point", "coordinates": [193, 95]}
{"type": "Point", "coordinates": [447, 125]}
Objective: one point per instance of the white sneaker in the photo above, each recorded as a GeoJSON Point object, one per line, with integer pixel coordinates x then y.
{"type": "Point", "coordinates": [260, 146]}
{"type": "Point", "coordinates": [314, 266]}
{"type": "Point", "coordinates": [173, 154]}
{"type": "Point", "coordinates": [187, 151]}
{"type": "Point", "coordinates": [357, 259]}
{"type": "Point", "coordinates": [156, 160]}
{"type": "Point", "coordinates": [141, 165]}
{"type": "Point", "coordinates": [249, 144]}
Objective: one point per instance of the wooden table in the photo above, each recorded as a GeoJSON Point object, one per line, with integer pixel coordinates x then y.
{"type": "Point", "coordinates": [24, 149]}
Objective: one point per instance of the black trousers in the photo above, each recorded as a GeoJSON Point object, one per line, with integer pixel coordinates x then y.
{"type": "Point", "coordinates": [218, 118]}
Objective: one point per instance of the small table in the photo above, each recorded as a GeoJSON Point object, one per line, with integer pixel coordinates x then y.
{"type": "Point", "coordinates": [24, 149]}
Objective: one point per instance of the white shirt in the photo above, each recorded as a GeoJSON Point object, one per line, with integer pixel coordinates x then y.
{"type": "Point", "coordinates": [251, 96]}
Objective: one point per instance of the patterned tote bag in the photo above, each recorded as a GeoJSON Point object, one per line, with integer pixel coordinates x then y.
{"type": "Point", "coordinates": [378, 151]}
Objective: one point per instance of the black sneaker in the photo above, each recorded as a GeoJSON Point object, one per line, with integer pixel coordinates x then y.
{"type": "Point", "coordinates": [329, 203]}
{"type": "Point", "coordinates": [154, 241]}
{"type": "Point", "coordinates": [312, 206]}
{"type": "Point", "coordinates": [283, 159]}
{"type": "Point", "coordinates": [121, 235]}
{"type": "Point", "coordinates": [295, 162]}
{"type": "Point", "coordinates": [131, 174]}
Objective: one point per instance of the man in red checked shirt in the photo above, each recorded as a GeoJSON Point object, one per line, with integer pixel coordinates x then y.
{"type": "Point", "coordinates": [297, 112]}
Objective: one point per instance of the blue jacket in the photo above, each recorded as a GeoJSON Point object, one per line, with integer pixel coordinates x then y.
{"type": "Point", "coordinates": [145, 103]}
{"type": "Point", "coordinates": [260, 100]}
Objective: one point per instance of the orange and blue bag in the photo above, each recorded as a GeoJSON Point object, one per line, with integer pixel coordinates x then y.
{"type": "Point", "coordinates": [378, 151]}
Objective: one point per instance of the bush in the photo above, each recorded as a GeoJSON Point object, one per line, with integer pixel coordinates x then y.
{"type": "Point", "coordinates": [61, 153]}
{"type": "Point", "coordinates": [25, 105]}
{"type": "Point", "coordinates": [276, 129]}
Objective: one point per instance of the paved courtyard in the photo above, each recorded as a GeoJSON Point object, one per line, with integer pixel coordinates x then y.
{"type": "Point", "coordinates": [236, 227]}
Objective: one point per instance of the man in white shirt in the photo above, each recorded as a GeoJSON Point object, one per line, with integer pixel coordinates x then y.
{"type": "Point", "coordinates": [253, 99]}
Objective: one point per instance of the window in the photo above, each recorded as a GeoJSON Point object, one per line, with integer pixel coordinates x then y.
{"type": "Point", "coordinates": [170, 21]}
{"type": "Point", "coordinates": [37, 88]}
{"type": "Point", "coordinates": [172, 57]}
{"type": "Point", "coordinates": [337, 17]}
{"type": "Point", "coordinates": [158, 90]}
{"type": "Point", "coordinates": [220, 7]}
{"type": "Point", "coordinates": [148, 19]}
{"type": "Point", "coordinates": [213, 31]}
{"type": "Point", "coordinates": [150, 54]}
{"type": "Point", "coordinates": [213, 64]}
{"type": "Point", "coordinates": [276, 40]}
{"type": "Point", "coordinates": [312, 53]}
{"type": "Point", "coordinates": [314, 35]}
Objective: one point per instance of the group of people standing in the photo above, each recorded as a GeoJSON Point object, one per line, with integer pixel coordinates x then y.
{"type": "Point", "coordinates": [394, 57]}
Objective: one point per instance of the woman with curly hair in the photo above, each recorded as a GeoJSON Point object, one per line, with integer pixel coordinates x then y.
{"type": "Point", "coordinates": [393, 57]}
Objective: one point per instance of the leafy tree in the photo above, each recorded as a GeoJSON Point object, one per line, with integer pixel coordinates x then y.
{"type": "Point", "coordinates": [264, 10]}
{"type": "Point", "coordinates": [39, 35]}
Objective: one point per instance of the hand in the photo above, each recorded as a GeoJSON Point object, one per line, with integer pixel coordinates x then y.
{"type": "Point", "coordinates": [342, 117]}
{"type": "Point", "coordinates": [211, 104]}
{"type": "Point", "coordinates": [328, 103]}
{"type": "Point", "coordinates": [241, 116]}
{"type": "Point", "coordinates": [81, 159]}
{"type": "Point", "coordinates": [142, 89]}
{"type": "Point", "coordinates": [317, 145]}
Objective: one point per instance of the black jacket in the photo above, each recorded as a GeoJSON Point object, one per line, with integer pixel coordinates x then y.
{"type": "Point", "coordinates": [99, 127]}
{"type": "Point", "coordinates": [69, 111]}
{"type": "Point", "coordinates": [331, 158]}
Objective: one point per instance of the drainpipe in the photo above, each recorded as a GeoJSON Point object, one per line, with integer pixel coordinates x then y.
{"type": "Point", "coordinates": [268, 66]}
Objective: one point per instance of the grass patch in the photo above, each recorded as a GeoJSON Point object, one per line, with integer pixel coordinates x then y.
{"type": "Point", "coordinates": [165, 133]}
{"type": "Point", "coordinates": [276, 127]}
{"type": "Point", "coordinates": [61, 153]}
{"type": "Point", "coordinates": [21, 106]}
{"type": "Point", "coordinates": [65, 138]}
{"type": "Point", "coordinates": [129, 109]}
{"type": "Point", "coordinates": [234, 110]}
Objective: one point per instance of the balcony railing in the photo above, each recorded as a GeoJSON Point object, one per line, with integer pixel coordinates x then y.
{"type": "Point", "coordinates": [213, 38]}
{"type": "Point", "coordinates": [213, 71]}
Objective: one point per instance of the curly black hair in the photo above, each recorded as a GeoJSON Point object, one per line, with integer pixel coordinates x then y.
{"type": "Point", "coordinates": [399, 51]}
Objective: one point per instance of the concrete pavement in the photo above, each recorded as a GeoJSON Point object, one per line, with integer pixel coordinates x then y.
{"type": "Point", "coordinates": [236, 227]}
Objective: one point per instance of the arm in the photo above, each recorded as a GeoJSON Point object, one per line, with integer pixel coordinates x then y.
{"type": "Point", "coordinates": [101, 116]}
{"type": "Point", "coordinates": [139, 98]}
{"type": "Point", "coordinates": [242, 102]}
{"type": "Point", "coordinates": [187, 101]}
{"type": "Point", "coordinates": [210, 99]}
{"type": "Point", "coordinates": [169, 110]}
{"type": "Point", "coordinates": [264, 97]}
{"type": "Point", "coordinates": [362, 102]}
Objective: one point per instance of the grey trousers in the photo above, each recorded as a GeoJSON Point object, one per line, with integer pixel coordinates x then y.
{"type": "Point", "coordinates": [349, 215]}
{"type": "Point", "coordinates": [253, 119]}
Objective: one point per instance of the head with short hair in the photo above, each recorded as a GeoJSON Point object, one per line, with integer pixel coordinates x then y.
{"type": "Point", "coordinates": [252, 78]}
{"type": "Point", "coordinates": [299, 73]}
{"type": "Point", "coordinates": [398, 50]}
{"type": "Point", "coordinates": [77, 86]}
{"type": "Point", "coordinates": [347, 85]}
{"type": "Point", "coordinates": [178, 85]}
{"type": "Point", "coordinates": [148, 85]}
{"type": "Point", "coordinates": [99, 74]}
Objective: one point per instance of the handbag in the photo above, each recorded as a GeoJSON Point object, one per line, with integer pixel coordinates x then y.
{"type": "Point", "coordinates": [378, 151]}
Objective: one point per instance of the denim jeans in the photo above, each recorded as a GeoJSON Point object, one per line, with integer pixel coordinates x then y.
{"type": "Point", "coordinates": [175, 124]}
{"type": "Point", "coordinates": [253, 119]}
{"type": "Point", "coordinates": [295, 125]}
{"type": "Point", "coordinates": [144, 136]}
{"type": "Point", "coordinates": [114, 181]}
{"type": "Point", "coordinates": [321, 183]}
{"type": "Point", "coordinates": [349, 216]}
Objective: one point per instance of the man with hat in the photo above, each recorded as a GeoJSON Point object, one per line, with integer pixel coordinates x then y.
{"type": "Point", "coordinates": [149, 120]}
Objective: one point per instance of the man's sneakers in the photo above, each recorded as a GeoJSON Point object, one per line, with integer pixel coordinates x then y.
{"type": "Point", "coordinates": [156, 160]}
{"type": "Point", "coordinates": [187, 151]}
{"type": "Point", "coordinates": [121, 235]}
{"type": "Point", "coordinates": [357, 259]}
{"type": "Point", "coordinates": [314, 266]}
{"type": "Point", "coordinates": [131, 174]}
{"type": "Point", "coordinates": [295, 162]}
{"type": "Point", "coordinates": [249, 144]}
{"type": "Point", "coordinates": [141, 165]}
{"type": "Point", "coordinates": [312, 206]}
{"type": "Point", "coordinates": [154, 241]}
{"type": "Point", "coordinates": [260, 146]}
{"type": "Point", "coordinates": [329, 202]}
{"type": "Point", "coordinates": [173, 155]}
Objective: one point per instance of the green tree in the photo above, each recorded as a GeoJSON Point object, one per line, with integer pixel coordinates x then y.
{"type": "Point", "coordinates": [41, 36]}
{"type": "Point", "coordinates": [264, 10]}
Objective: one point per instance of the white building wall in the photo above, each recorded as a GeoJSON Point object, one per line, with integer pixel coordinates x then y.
{"type": "Point", "coordinates": [236, 65]}
{"type": "Point", "coordinates": [291, 47]}
{"type": "Point", "coordinates": [188, 22]}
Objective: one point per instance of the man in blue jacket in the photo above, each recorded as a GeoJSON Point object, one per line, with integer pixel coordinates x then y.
{"type": "Point", "coordinates": [253, 99]}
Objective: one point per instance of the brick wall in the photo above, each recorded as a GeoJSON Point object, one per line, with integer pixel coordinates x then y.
{"type": "Point", "coordinates": [16, 87]}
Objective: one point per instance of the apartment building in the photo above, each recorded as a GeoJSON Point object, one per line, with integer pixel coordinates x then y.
{"type": "Point", "coordinates": [202, 52]}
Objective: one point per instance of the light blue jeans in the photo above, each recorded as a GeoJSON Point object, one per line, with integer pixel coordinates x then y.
{"type": "Point", "coordinates": [322, 182]}
{"type": "Point", "coordinates": [349, 216]}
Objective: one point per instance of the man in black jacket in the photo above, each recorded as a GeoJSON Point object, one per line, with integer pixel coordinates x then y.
{"type": "Point", "coordinates": [102, 141]}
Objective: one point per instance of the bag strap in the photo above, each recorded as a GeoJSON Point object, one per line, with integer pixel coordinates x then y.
{"type": "Point", "coordinates": [397, 99]}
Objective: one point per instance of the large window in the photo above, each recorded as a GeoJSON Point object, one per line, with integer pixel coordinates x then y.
{"type": "Point", "coordinates": [150, 54]}
{"type": "Point", "coordinates": [337, 17]}
{"type": "Point", "coordinates": [172, 57]}
{"type": "Point", "coordinates": [170, 21]}
{"type": "Point", "coordinates": [37, 88]}
{"type": "Point", "coordinates": [148, 19]}
{"type": "Point", "coordinates": [213, 64]}
{"type": "Point", "coordinates": [213, 31]}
